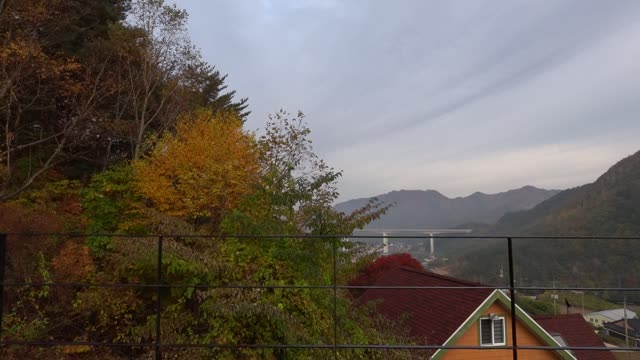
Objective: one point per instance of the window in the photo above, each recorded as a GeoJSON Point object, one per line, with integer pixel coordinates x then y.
{"type": "Point", "coordinates": [560, 340]}
{"type": "Point", "coordinates": [492, 331]}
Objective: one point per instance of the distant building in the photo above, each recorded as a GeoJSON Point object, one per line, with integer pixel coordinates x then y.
{"type": "Point", "coordinates": [616, 329]}
{"type": "Point", "coordinates": [599, 318]}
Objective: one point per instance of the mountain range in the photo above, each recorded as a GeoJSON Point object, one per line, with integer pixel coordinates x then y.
{"type": "Point", "coordinates": [418, 209]}
{"type": "Point", "coordinates": [607, 208]}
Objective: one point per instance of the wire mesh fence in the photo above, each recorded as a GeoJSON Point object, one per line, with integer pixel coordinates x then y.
{"type": "Point", "coordinates": [158, 256]}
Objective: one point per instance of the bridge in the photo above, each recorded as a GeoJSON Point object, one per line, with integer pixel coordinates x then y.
{"type": "Point", "coordinates": [430, 232]}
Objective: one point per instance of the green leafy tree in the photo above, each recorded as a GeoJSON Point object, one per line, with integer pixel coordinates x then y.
{"type": "Point", "coordinates": [297, 189]}
{"type": "Point", "coordinates": [295, 196]}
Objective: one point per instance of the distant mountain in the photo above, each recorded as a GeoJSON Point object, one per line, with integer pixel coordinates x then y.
{"type": "Point", "coordinates": [608, 207]}
{"type": "Point", "coordinates": [431, 209]}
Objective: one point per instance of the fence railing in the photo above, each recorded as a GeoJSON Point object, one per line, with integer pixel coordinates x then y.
{"type": "Point", "coordinates": [335, 242]}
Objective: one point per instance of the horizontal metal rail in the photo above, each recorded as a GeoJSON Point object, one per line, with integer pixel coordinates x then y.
{"type": "Point", "coordinates": [310, 346]}
{"type": "Point", "coordinates": [391, 287]}
{"type": "Point", "coordinates": [332, 236]}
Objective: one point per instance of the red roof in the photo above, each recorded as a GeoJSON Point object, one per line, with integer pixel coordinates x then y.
{"type": "Point", "coordinates": [432, 315]}
{"type": "Point", "coordinates": [576, 332]}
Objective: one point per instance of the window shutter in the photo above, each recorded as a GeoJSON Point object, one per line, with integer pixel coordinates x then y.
{"type": "Point", "coordinates": [485, 332]}
{"type": "Point", "coordinates": [498, 331]}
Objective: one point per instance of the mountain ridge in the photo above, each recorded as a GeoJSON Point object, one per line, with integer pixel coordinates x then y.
{"type": "Point", "coordinates": [609, 207]}
{"type": "Point", "coordinates": [430, 208]}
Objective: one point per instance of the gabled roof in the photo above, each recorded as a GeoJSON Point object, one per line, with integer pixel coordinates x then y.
{"type": "Point", "coordinates": [576, 332]}
{"type": "Point", "coordinates": [441, 316]}
{"type": "Point", "coordinates": [522, 317]}
{"type": "Point", "coordinates": [433, 315]}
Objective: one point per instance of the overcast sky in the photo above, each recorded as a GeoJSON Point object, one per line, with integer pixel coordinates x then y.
{"type": "Point", "coordinates": [457, 96]}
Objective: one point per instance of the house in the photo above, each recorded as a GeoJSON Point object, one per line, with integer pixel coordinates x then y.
{"type": "Point", "coordinates": [599, 318]}
{"type": "Point", "coordinates": [460, 313]}
{"type": "Point", "coordinates": [572, 330]}
{"type": "Point", "coordinates": [616, 329]}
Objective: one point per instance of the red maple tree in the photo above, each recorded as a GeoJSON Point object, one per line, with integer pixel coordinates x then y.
{"type": "Point", "coordinates": [376, 268]}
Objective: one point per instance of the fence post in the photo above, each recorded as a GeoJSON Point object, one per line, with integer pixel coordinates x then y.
{"type": "Point", "coordinates": [335, 300]}
{"type": "Point", "coordinates": [3, 264]}
{"type": "Point", "coordinates": [158, 303]}
{"type": "Point", "coordinates": [513, 300]}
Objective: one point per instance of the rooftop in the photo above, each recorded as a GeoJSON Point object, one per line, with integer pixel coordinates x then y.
{"type": "Point", "coordinates": [618, 326]}
{"type": "Point", "coordinates": [576, 332]}
{"type": "Point", "coordinates": [435, 314]}
{"type": "Point", "coordinates": [615, 314]}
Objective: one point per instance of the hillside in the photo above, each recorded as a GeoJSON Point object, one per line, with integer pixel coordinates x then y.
{"type": "Point", "coordinates": [610, 206]}
{"type": "Point", "coordinates": [430, 209]}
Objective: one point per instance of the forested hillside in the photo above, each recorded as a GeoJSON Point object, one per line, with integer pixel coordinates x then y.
{"type": "Point", "coordinates": [112, 123]}
{"type": "Point", "coordinates": [608, 207]}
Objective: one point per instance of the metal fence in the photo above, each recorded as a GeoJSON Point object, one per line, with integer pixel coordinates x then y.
{"type": "Point", "coordinates": [332, 240]}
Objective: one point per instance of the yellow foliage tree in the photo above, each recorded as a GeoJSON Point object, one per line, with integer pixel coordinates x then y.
{"type": "Point", "coordinates": [202, 170]}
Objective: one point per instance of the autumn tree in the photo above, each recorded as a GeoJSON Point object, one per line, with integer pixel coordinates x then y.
{"type": "Point", "coordinates": [207, 168]}
{"type": "Point", "coordinates": [154, 74]}
{"type": "Point", "coordinates": [46, 96]}
{"type": "Point", "coordinates": [373, 270]}
{"type": "Point", "coordinates": [158, 74]}
{"type": "Point", "coordinates": [202, 170]}
{"type": "Point", "coordinates": [85, 84]}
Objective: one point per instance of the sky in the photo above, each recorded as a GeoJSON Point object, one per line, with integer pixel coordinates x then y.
{"type": "Point", "coordinates": [457, 96]}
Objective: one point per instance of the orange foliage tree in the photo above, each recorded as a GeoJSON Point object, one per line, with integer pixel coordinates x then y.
{"type": "Point", "coordinates": [202, 170]}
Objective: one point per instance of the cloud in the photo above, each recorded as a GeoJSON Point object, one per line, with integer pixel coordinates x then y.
{"type": "Point", "coordinates": [413, 85]}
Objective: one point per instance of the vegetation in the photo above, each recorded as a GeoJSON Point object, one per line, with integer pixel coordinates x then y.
{"type": "Point", "coordinates": [202, 170]}
{"type": "Point", "coordinates": [589, 301]}
{"type": "Point", "coordinates": [369, 274]}
{"type": "Point", "coordinates": [113, 123]}
{"type": "Point", "coordinates": [88, 84]}
{"type": "Point", "coordinates": [607, 208]}
{"type": "Point", "coordinates": [534, 307]}
{"type": "Point", "coordinates": [545, 305]}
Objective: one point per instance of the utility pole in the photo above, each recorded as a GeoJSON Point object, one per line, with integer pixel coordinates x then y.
{"type": "Point", "coordinates": [626, 327]}
{"type": "Point", "coordinates": [554, 296]}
